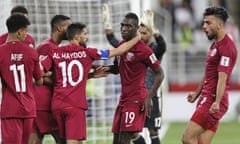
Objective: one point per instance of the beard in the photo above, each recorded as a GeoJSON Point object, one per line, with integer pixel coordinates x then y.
{"type": "Point", "coordinates": [83, 44]}
{"type": "Point", "coordinates": [213, 35]}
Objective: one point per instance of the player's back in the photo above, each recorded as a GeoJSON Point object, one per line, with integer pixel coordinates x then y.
{"type": "Point", "coordinates": [18, 65]}
{"type": "Point", "coordinates": [43, 93]}
{"type": "Point", "coordinates": [29, 40]}
{"type": "Point", "coordinates": [72, 64]}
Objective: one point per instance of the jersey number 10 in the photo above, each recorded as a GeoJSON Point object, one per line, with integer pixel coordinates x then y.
{"type": "Point", "coordinates": [67, 72]}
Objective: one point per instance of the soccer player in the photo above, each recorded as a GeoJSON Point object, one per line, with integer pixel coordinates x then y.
{"type": "Point", "coordinates": [29, 39]}
{"type": "Point", "coordinates": [135, 101]}
{"type": "Point", "coordinates": [18, 65]}
{"type": "Point", "coordinates": [45, 123]}
{"type": "Point", "coordinates": [213, 89]}
{"type": "Point", "coordinates": [71, 65]}
{"type": "Point", "coordinates": [147, 30]}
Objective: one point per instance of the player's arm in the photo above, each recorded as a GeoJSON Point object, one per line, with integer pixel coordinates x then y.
{"type": "Point", "coordinates": [221, 86]}
{"type": "Point", "coordinates": [161, 46]}
{"type": "Point", "coordinates": [38, 74]}
{"type": "Point", "coordinates": [107, 26]}
{"type": "Point", "coordinates": [98, 72]}
{"type": "Point", "coordinates": [111, 38]}
{"type": "Point", "coordinates": [159, 76]}
{"type": "Point", "coordinates": [124, 47]}
{"type": "Point", "coordinates": [192, 96]}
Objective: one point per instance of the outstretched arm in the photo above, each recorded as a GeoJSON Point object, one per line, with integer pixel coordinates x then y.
{"type": "Point", "coordinates": [107, 26]}
{"type": "Point", "coordinates": [124, 47]}
{"type": "Point", "coordinates": [111, 38]}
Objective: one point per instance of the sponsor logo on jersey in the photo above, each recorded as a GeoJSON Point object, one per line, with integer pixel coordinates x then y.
{"type": "Point", "coordinates": [128, 125]}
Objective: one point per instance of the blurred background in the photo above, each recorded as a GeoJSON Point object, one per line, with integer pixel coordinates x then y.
{"type": "Point", "coordinates": [179, 21]}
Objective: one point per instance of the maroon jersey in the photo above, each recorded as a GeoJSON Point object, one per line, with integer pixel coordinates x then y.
{"type": "Point", "coordinates": [42, 93]}
{"type": "Point", "coordinates": [132, 68]}
{"type": "Point", "coordinates": [18, 65]}
{"type": "Point", "coordinates": [28, 40]}
{"type": "Point", "coordinates": [71, 65]}
{"type": "Point", "coordinates": [221, 58]}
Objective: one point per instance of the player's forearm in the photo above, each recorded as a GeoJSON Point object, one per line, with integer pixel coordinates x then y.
{"type": "Point", "coordinates": [159, 76]}
{"type": "Point", "coordinates": [112, 39]}
{"type": "Point", "coordinates": [221, 86]}
{"type": "Point", "coordinates": [161, 44]}
{"type": "Point", "coordinates": [124, 47]}
{"type": "Point", "coordinates": [199, 88]}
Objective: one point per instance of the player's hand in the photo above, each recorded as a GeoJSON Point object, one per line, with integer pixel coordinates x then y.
{"type": "Point", "coordinates": [139, 36]}
{"type": "Point", "coordinates": [147, 106]}
{"type": "Point", "coordinates": [106, 16]}
{"type": "Point", "coordinates": [215, 107]}
{"type": "Point", "coordinates": [99, 72]}
{"type": "Point", "coordinates": [150, 21]}
{"type": "Point", "coordinates": [47, 74]}
{"type": "Point", "coordinates": [191, 97]}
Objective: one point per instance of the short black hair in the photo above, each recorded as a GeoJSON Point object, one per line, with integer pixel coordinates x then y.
{"type": "Point", "coordinates": [133, 16]}
{"type": "Point", "coordinates": [57, 19]}
{"type": "Point", "coordinates": [218, 12]}
{"type": "Point", "coordinates": [73, 29]}
{"type": "Point", "coordinates": [16, 22]}
{"type": "Point", "coordinates": [19, 9]}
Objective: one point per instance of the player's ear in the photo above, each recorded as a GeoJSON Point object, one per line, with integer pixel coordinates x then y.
{"type": "Point", "coordinates": [58, 28]}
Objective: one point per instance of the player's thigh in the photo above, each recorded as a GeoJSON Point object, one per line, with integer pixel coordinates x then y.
{"type": "Point", "coordinates": [154, 121]}
{"type": "Point", "coordinates": [45, 122]}
{"type": "Point", "coordinates": [193, 130]}
{"type": "Point", "coordinates": [206, 137]}
{"type": "Point", "coordinates": [132, 119]}
{"type": "Point", "coordinates": [11, 131]}
{"type": "Point", "coordinates": [75, 123]}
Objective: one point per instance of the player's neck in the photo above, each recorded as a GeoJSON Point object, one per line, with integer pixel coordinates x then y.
{"type": "Point", "coordinates": [75, 42]}
{"type": "Point", "coordinates": [220, 35]}
{"type": "Point", "coordinates": [56, 38]}
{"type": "Point", "coordinates": [12, 37]}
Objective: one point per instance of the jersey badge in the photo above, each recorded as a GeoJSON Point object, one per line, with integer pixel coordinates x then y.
{"type": "Point", "coordinates": [153, 58]}
{"type": "Point", "coordinates": [213, 52]}
{"type": "Point", "coordinates": [225, 61]}
{"type": "Point", "coordinates": [130, 56]}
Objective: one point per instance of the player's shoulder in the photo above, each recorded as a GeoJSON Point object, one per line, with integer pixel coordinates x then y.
{"type": "Point", "coordinates": [3, 38]}
{"type": "Point", "coordinates": [143, 47]}
{"type": "Point", "coordinates": [47, 43]}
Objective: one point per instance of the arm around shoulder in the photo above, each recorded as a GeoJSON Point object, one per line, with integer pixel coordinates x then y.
{"type": "Point", "coordinates": [124, 47]}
